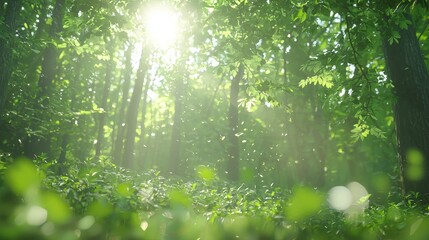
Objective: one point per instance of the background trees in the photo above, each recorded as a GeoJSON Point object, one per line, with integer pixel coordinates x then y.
{"type": "Point", "coordinates": [280, 92]}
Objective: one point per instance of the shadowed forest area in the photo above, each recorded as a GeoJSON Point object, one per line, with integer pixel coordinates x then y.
{"type": "Point", "coordinates": [214, 119]}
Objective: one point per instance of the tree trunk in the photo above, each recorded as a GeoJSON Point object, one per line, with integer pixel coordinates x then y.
{"type": "Point", "coordinates": [119, 141]}
{"type": "Point", "coordinates": [35, 59]}
{"type": "Point", "coordinates": [233, 164]}
{"type": "Point", "coordinates": [407, 69]}
{"type": "Point", "coordinates": [7, 43]}
{"type": "Point", "coordinates": [36, 145]}
{"type": "Point", "coordinates": [133, 109]}
{"type": "Point", "coordinates": [141, 148]}
{"type": "Point", "coordinates": [2, 8]}
{"type": "Point", "coordinates": [175, 160]}
{"type": "Point", "coordinates": [103, 104]}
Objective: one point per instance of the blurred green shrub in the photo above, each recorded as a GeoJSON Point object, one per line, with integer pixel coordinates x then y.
{"type": "Point", "coordinates": [102, 201]}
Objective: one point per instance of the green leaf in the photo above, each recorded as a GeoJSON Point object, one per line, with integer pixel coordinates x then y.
{"type": "Point", "coordinates": [304, 203]}
{"type": "Point", "coordinates": [124, 189]}
{"type": "Point", "coordinates": [325, 79]}
{"type": "Point", "coordinates": [22, 176]}
{"type": "Point", "coordinates": [58, 209]}
{"type": "Point", "coordinates": [179, 198]}
{"type": "Point", "coordinates": [205, 173]}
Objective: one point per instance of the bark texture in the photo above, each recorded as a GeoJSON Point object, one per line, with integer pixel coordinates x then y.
{"type": "Point", "coordinates": [7, 43]}
{"type": "Point", "coordinates": [104, 100]}
{"type": "Point", "coordinates": [233, 164]}
{"type": "Point", "coordinates": [133, 109]}
{"type": "Point", "coordinates": [175, 160]}
{"type": "Point", "coordinates": [36, 145]}
{"type": "Point", "coordinates": [119, 141]}
{"type": "Point", "coordinates": [408, 72]}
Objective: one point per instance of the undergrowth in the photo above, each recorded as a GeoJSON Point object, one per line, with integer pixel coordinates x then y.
{"type": "Point", "coordinates": [98, 200]}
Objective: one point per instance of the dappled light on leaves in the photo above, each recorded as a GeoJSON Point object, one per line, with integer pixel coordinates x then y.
{"type": "Point", "coordinates": [214, 119]}
{"type": "Point", "coordinates": [394, 214]}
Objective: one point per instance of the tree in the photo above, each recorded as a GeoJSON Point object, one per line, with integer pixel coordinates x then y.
{"type": "Point", "coordinates": [233, 164]}
{"type": "Point", "coordinates": [35, 145]}
{"type": "Point", "coordinates": [110, 66]}
{"type": "Point", "coordinates": [119, 141]}
{"type": "Point", "coordinates": [7, 44]}
{"type": "Point", "coordinates": [133, 108]}
{"type": "Point", "coordinates": [407, 69]}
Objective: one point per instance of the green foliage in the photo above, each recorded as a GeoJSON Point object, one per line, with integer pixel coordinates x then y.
{"type": "Point", "coordinates": [303, 203]}
{"type": "Point", "coordinates": [324, 79]}
{"type": "Point", "coordinates": [148, 206]}
{"type": "Point", "coordinates": [315, 109]}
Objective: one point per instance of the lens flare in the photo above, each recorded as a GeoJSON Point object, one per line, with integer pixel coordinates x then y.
{"type": "Point", "coordinates": [340, 198]}
{"type": "Point", "coordinates": [351, 199]}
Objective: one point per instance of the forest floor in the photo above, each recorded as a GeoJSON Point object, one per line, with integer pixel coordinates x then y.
{"type": "Point", "coordinates": [102, 201]}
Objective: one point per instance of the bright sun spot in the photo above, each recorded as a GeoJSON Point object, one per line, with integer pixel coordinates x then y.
{"type": "Point", "coordinates": [161, 26]}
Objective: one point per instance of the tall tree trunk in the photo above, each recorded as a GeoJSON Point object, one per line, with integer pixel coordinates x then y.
{"type": "Point", "coordinates": [36, 145]}
{"type": "Point", "coordinates": [7, 43]}
{"type": "Point", "coordinates": [175, 159]}
{"type": "Point", "coordinates": [233, 164]}
{"type": "Point", "coordinates": [320, 134]}
{"type": "Point", "coordinates": [2, 8]}
{"type": "Point", "coordinates": [133, 109]}
{"type": "Point", "coordinates": [35, 59]}
{"type": "Point", "coordinates": [407, 69]}
{"type": "Point", "coordinates": [103, 104]}
{"type": "Point", "coordinates": [141, 148]}
{"type": "Point", "coordinates": [119, 141]}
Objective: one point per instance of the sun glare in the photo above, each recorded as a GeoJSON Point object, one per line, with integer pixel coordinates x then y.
{"type": "Point", "coordinates": [161, 26]}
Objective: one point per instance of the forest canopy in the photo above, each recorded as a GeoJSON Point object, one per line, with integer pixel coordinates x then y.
{"type": "Point", "coordinates": [298, 114]}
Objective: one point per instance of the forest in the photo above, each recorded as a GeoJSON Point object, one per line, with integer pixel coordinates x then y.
{"type": "Point", "coordinates": [214, 119]}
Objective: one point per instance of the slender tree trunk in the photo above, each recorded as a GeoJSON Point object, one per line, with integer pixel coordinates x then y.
{"type": "Point", "coordinates": [7, 44]}
{"type": "Point", "coordinates": [119, 141]}
{"type": "Point", "coordinates": [141, 148]}
{"type": "Point", "coordinates": [35, 59]}
{"type": "Point", "coordinates": [289, 154]}
{"type": "Point", "coordinates": [233, 164]}
{"type": "Point", "coordinates": [320, 135]}
{"type": "Point", "coordinates": [103, 104]}
{"type": "Point", "coordinates": [2, 8]}
{"type": "Point", "coordinates": [36, 145]}
{"type": "Point", "coordinates": [407, 69]}
{"type": "Point", "coordinates": [175, 159]}
{"type": "Point", "coordinates": [133, 109]}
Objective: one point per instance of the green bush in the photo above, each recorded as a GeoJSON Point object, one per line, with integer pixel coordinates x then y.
{"type": "Point", "coordinates": [107, 202]}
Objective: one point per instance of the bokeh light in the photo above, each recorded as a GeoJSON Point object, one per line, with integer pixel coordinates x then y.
{"type": "Point", "coordinates": [340, 198]}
